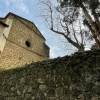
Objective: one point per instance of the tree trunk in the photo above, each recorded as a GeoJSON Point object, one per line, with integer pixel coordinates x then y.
{"type": "Point", "coordinates": [93, 34]}
{"type": "Point", "coordinates": [95, 25]}
{"type": "Point", "coordinates": [81, 48]}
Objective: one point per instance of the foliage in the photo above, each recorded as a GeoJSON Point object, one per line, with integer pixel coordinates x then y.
{"type": "Point", "coordinates": [90, 9]}
{"type": "Point", "coordinates": [94, 47]}
{"type": "Point", "coordinates": [69, 19]}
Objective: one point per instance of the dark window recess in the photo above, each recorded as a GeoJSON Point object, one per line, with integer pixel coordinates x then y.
{"type": "Point", "coordinates": [27, 43]}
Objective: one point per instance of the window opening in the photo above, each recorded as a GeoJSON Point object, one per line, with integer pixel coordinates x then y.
{"type": "Point", "coordinates": [27, 43]}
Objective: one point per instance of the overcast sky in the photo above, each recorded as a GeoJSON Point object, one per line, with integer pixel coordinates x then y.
{"type": "Point", "coordinates": [26, 9]}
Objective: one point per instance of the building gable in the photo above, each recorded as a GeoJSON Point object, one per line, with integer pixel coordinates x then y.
{"type": "Point", "coordinates": [21, 42]}
{"type": "Point", "coordinates": [28, 23]}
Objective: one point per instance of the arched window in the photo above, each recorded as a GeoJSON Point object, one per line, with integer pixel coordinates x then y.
{"type": "Point", "coordinates": [28, 44]}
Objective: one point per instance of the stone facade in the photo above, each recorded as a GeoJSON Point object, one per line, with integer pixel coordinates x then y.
{"type": "Point", "coordinates": [21, 42]}
{"type": "Point", "coordinates": [75, 77]}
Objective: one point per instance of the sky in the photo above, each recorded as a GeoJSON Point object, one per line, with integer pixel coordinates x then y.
{"type": "Point", "coordinates": [26, 9]}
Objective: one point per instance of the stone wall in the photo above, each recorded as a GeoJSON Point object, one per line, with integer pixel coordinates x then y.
{"type": "Point", "coordinates": [75, 77]}
{"type": "Point", "coordinates": [23, 45]}
{"type": "Point", "coordinates": [4, 31]}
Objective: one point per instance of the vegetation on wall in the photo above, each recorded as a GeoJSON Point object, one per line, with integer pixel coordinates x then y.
{"type": "Point", "coordinates": [75, 77]}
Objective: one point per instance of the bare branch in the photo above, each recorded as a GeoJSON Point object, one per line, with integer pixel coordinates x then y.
{"type": "Point", "coordinates": [68, 39]}
{"type": "Point", "coordinates": [75, 34]}
{"type": "Point", "coordinates": [51, 18]}
{"type": "Point", "coordinates": [81, 33]}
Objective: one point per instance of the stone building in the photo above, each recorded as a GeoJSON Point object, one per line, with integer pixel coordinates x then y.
{"type": "Point", "coordinates": [20, 42]}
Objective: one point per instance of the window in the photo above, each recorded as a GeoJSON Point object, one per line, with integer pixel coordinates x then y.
{"type": "Point", "coordinates": [27, 43]}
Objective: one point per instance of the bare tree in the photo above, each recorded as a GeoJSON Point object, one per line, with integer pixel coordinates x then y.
{"type": "Point", "coordinates": [91, 10]}
{"type": "Point", "coordinates": [65, 22]}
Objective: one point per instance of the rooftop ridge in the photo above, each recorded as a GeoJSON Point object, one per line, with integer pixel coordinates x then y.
{"type": "Point", "coordinates": [10, 13]}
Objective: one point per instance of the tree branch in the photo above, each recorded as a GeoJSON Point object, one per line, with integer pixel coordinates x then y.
{"type": "Point", "coordinates": [75, 34]}
{"type": "Point", "coordinates": [68, 39]}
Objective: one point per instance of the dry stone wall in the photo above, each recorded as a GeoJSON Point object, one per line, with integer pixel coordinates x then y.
{"type": "Point", "coordinates": [75, 77]}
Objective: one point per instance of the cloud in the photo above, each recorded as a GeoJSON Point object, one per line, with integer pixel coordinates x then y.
{"type": "Point", "coordinates": [17, 5]}
{"type": "Point", "coordinates": [53, 52]}
{"type": "Point", "coordinates": [42, 32]}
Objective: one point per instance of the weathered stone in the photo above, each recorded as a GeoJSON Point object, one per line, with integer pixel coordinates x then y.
{"type": "Point", "coordinates": [4, 94]}
{"type": "Point", "coordinates": [12, 88]}
{"type": "Point", "coordinates": [52, 98]}
{"type": "Point", "coordinates": [42, 87]}
{"type": "Point", "coordinates": [30, 89]}
{"type": "Point", "coordinates": [40, 80]}
{"type": "Point", "coordinates": [33, 98]}
{"type": "Point", "coordinates": [59, 79]}
{"type": "Point", "coordinates": [51, 93]}
{"type": "Point", "coordinates": [27, 96]}
{"type": "Point", "coordinates": [22, 80]}
{"type": "Point", "coordinates": [18, 92]}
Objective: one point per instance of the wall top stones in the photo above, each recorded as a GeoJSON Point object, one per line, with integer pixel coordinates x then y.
{"type": "Point", "coordinates": [75, 77]}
